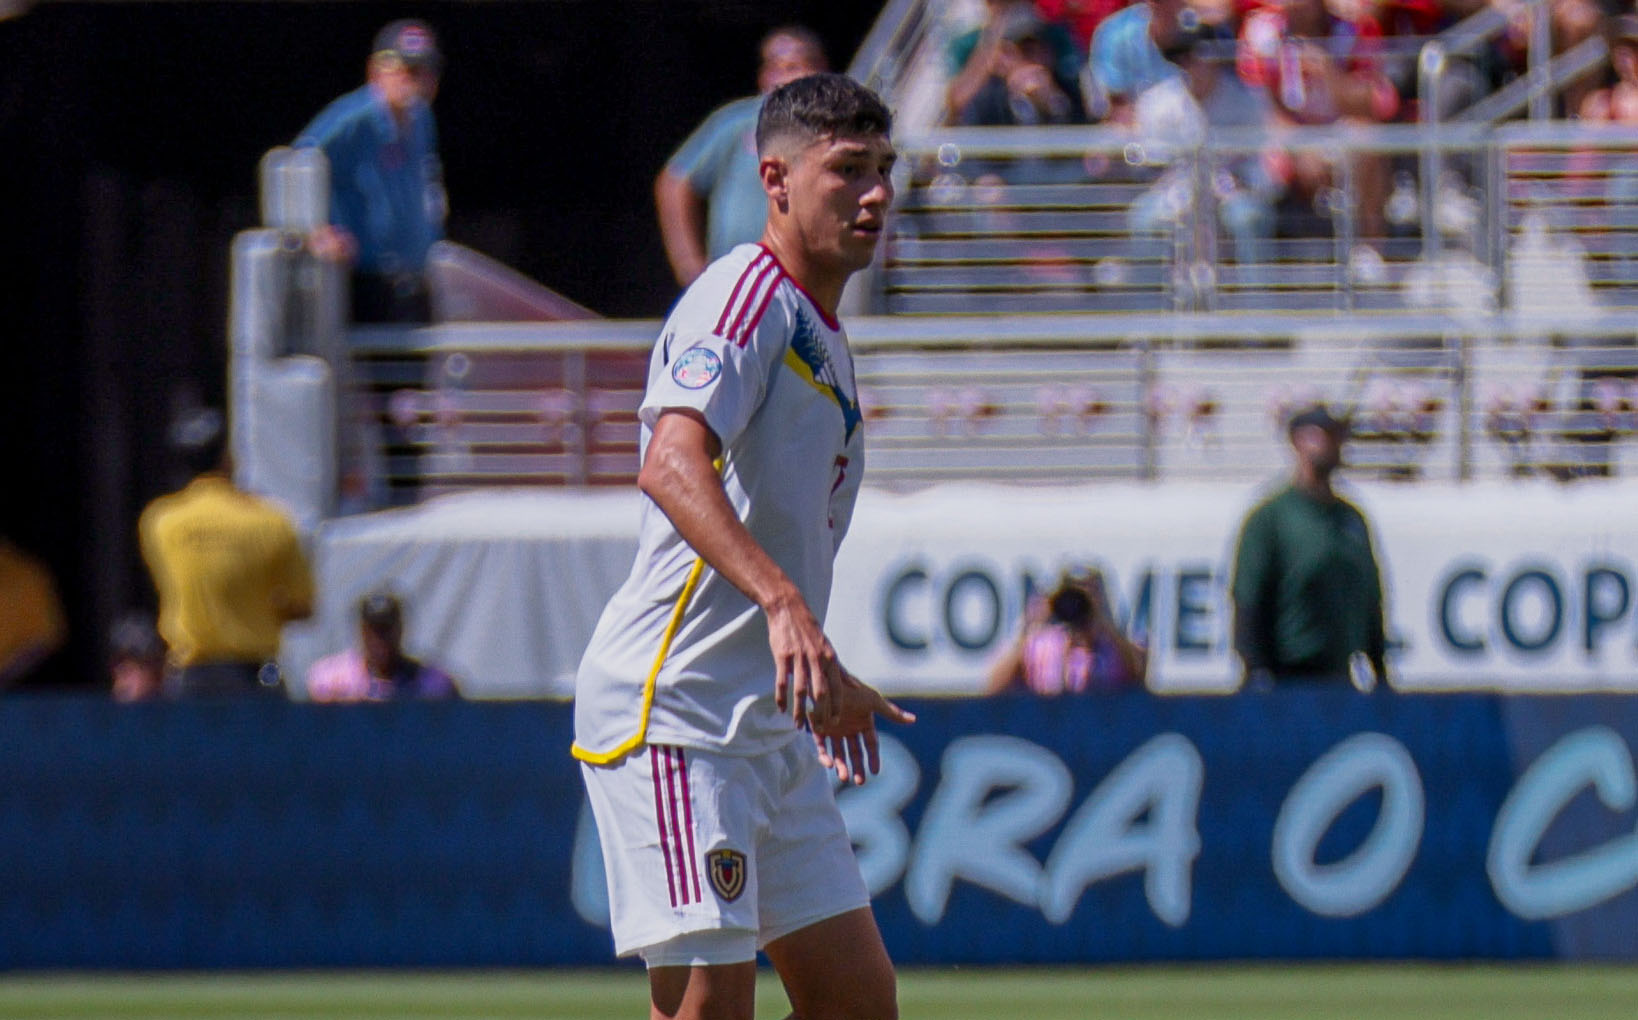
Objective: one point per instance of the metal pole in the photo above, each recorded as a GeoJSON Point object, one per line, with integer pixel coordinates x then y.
{"type": "Point", "coordinates": [1541, 52]}
{"type": "Point", "coordinates": [1148, 459]}
{"type": "Point", "coordinates": [1431, 68]}
{"type": "Point", "coordinates": [1464, 407]}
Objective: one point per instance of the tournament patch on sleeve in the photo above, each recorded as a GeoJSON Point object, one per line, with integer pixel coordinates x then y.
{"type": "Point", "coordinates": [696, 368]}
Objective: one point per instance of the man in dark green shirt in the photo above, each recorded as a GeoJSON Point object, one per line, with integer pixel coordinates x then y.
{"type": "Point", "coordinates": [1307, 592]}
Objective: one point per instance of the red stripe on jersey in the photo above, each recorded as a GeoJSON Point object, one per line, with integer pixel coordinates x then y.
{"type": "Point", "coordinates": [771, 266]}
{"type": "Point", "coordinates": [659, 816]}
{"type": "Point", "coordinates": [826, 317]}
{"type": "Point", "coordinates": [688, 823]}
{"type": "Point", "coordinates": [676, 830]}
{"type": "Point", "coordinates": [750, 327]}
{"type": "Point", "coordinates": [727, 310]}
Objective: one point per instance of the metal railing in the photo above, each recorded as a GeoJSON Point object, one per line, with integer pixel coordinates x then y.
{"type": "Point", "coordinates": [1504, 352]}
{"type": "Point", "coordinates": [1012, 220]}
{"type": "Point", "coordinates": [1046, 398]}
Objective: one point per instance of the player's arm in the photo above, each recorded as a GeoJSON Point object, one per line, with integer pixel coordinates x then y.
{"type": "Point", "coordinates": [682, 225]}
{"type": "Point", "coordinates": [679, 474]}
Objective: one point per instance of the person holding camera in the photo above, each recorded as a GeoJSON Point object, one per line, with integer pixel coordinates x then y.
{"type": "Point", "coordinates": [1071, 644]}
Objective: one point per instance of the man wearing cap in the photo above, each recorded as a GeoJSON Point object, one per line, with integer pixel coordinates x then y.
{"type": "Point", "coordinates": [386, 189]}
{"type": "Point", "coordinates": [378, 669]}
{"type": "Point", "coordinates": [1307, 591]}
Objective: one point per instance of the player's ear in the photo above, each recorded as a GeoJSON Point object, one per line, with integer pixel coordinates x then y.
{"type": "Point", "coordinates": [776, 172]}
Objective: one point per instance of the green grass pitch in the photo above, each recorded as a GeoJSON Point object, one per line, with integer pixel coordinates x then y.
{"type": "Point", "coordinates": [1255, 992]}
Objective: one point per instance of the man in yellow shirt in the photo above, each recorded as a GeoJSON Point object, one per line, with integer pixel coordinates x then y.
{"type": "Point", "coordinates": [32, 625]}
{"type": "Point", "coordinates": [228, 568]}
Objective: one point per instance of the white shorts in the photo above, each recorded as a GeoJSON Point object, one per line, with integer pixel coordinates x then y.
{"type": "Point", "coordinates": [735, 851]}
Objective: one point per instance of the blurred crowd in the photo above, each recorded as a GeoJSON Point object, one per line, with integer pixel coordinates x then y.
{"type": "Point", "coordinates": [1166, 70]}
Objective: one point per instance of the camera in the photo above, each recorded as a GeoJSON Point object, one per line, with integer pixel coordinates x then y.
{"type": "Point", "coordinates": [1070, 603]}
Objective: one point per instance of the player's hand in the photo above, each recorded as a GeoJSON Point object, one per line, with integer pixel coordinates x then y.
{"type": "Point", "coordinates": [807, 675]}
{"type": "Point", "coordinates": [851, 746]}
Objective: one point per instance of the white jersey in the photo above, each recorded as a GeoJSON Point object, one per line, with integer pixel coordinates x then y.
{"type": "Point", "coordinates": [680, 656]}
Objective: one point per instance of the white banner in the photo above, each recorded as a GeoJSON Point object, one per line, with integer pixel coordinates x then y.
{"type": "Point", "coordinates": [1519, 585]}
{"type": "Point", "coordinates": [1526, 586]}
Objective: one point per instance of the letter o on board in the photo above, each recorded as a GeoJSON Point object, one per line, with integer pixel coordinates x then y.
{"type": "Point", "coordinates": [1364, 878]}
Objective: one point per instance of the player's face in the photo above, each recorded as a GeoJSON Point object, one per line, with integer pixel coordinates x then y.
{"type": "Point", "coordinates": [840, 189]}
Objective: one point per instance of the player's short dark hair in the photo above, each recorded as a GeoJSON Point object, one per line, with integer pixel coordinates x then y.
{"type": "Point", "coordinates": [824, 105]}
{"type": "Point", "coordinates": [199, 440]}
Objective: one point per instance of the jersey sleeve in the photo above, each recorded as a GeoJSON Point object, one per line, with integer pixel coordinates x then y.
{"type": "Point", "coordinates": [721, 371]}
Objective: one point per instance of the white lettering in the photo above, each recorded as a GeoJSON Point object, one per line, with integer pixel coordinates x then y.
{"type": "Point", "coordinates": [871, 812]}
{"type": "Point", "coordinates": [1364, 878]}
{"type": "Point", "coordinates": [1596, 757]}
{"type": "Point", "coordinates": [1104, 838]}
{"type": "Point", "coordinates": [966, 833]}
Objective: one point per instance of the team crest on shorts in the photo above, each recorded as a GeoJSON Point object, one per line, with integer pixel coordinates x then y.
{"type": "Point", "coordinates": [727, 871]}
{"type": "Point", "coordinates": [696, 368]}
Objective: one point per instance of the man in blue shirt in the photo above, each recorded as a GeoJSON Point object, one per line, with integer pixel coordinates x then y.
{"type": "Point", "coordinates": [1126, 57]}
{"type": "Point", "coordinates": [710, 193]}
{"type": "Point", "coordinates": [386, 190]}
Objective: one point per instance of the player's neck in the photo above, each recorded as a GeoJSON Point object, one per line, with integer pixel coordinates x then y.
{"type": "Point", "coordinates": [822, 283]}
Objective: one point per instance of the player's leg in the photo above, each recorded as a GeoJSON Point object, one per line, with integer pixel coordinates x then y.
{"type": "Point", "coordinates": [671, 822]}
{"type": "Point", "coordinates": [837, 969]}
{"type": "Point", "coordinates": [816, 923]}
{"type": "Point", "coordinates": [724, 991]}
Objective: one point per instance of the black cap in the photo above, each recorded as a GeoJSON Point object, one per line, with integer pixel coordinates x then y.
{"type": "Point", "coordinates": [1317, 414]}
{"type": "Point", "coordinates": [411, 41]}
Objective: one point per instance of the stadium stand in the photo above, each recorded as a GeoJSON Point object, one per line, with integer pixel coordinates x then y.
{"type": "Point", "coordinates": [1021, 332]}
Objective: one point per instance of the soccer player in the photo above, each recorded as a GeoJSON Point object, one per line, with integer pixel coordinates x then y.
{"type": "Point", "coordinates": [719, 828]}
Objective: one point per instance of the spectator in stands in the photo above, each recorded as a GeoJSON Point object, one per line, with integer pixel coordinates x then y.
{"type": "Point", "coordinates": [1022, 87]}
{"type": "Point", "coordinates": [1071, 644]}
{"type": "Point", "coordinates": [1126, 52]}
{"type": "Point", "coordinates": [386, 187]}
{"type": "Point", "coordinates": [378, 669]}
{"type": "Point", "coordinates": [1307, 591]}
{"type": "Point", "coordinates": [978, 56]}
{"type": "Point", "coordinates": [1570, 23]}
{"type": "Point", "coordinates": [1172, 118]}
{"type": "Point", "coordinates": [710, 193]}
{"type": "Point", "coordinates": [32, 625]}
{"type": "Point", "coordinates": [1081, 17]}
{"type": "Point", "coordinates": [1617, 102]}
{"type": "Point", "coordinates": [1318, 67]}
{"type": "Point", "coordinates": [228, 568]}
{"type": "Point", "coordinates": [136, 658]}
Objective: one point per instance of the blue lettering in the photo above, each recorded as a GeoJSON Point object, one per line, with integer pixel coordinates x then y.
{"type": "Point", "coordinates": [1470, 644]}
{"type": "Point", "coordinates": [1600, 613]}
{"type": "Point", "coordinates": [1139, 623]}
{"type": "Point", "coordinates": [893, 621]}
{"type": "Point", "coordinates": [1505, 615]}
{"type": "Point", "coordinates": [987, 631]}
{"type": "Point", "coordinates": [1193, 630]}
